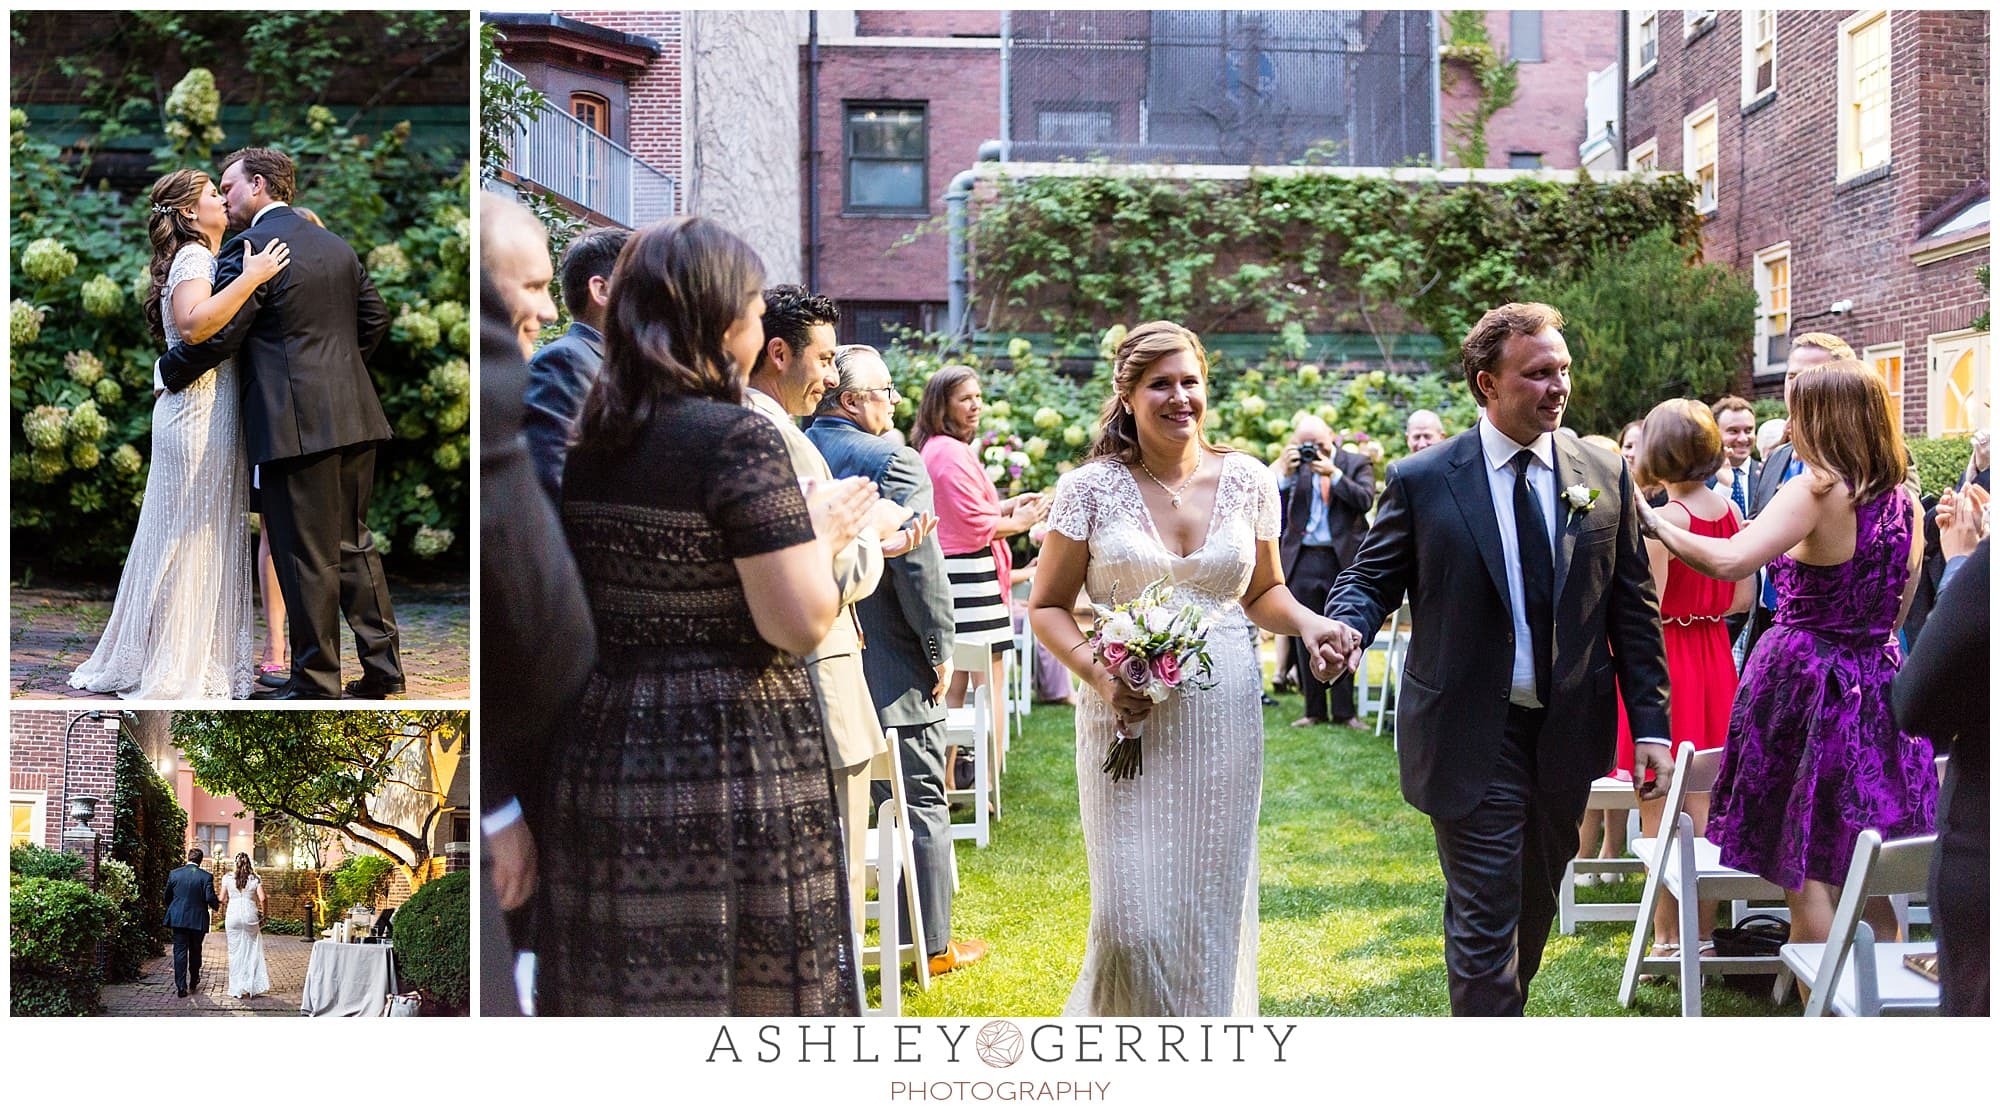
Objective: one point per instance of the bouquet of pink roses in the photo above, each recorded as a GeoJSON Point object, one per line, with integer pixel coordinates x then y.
{"type": "Point", "coordinates": [1153, 648]}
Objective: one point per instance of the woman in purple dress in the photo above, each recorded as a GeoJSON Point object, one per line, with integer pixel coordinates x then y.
{"type": "Point", "coordinates": [1814, 756]}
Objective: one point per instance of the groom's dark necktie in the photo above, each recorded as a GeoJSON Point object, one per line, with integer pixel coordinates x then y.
{"type": "Point", "coordinates": [1538, 571]}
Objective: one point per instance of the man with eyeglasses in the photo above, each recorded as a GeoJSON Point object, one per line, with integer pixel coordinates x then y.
{"type": "Point", "coordinates": [908, 626]}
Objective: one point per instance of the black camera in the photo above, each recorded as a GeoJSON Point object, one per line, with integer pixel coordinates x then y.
{"type": "Point", "coordinates": [1308, 452]}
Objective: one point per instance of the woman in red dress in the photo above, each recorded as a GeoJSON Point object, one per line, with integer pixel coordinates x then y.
{"type": "Point", "coordinates": [1680, 448]}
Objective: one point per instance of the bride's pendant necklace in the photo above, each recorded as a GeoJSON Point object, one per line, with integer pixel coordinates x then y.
{"type": "Point", "coordinates": [1174, 494]}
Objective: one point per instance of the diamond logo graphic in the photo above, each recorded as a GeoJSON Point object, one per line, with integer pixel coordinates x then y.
{"type": "Point", "coordinates": [999, 1044]}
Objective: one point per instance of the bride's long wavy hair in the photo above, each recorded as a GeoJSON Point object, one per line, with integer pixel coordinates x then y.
{"type": "Point", "coordinates": [242, 871]}
{"type": "Point", "coordinates": [169, 230]}
{"type": "Point", "coordinates": [1146, 346]}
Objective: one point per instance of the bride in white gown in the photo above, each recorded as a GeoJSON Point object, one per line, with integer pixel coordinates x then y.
{"type": "Point", "coordinates": [243, 924]}
{"type": "Point", "coordinates": [181, 625]}
{"type": "Point", "coordinates": [1172, 852]}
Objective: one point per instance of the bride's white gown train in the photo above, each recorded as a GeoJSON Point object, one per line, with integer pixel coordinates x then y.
{"type": "Point", "coordinates": [181, 627]}
{"type": "Point", "coordinates": [1173, 852]}
{"type": "Point", "coordinates": [247, 974]}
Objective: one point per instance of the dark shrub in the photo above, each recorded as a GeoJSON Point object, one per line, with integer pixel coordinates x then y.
{"type": "Point", "coordinates": [433, 943]}
{"type": "Point", "coordinates": [54, 927]}
{"type": "Point", "coordinates": [30, 860]}
{"type": "Point", "coordinates": [149, 834]}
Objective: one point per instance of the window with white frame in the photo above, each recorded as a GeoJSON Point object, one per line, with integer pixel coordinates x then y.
{"type": "Point", "coordinates": [1864, 92]}
{"type": "Point", "coordinates": [1959, 383]}
{"type": "Point", "coordinates": [1888, 361]}
{"type": "Point", "coordinates": [1760, 52]}
{"type": "Point", "coordinates": [28, 813]}
{"type": "Point", "coordinates": [1645, 157]}
{"type": "Point", "coordinates": [1773, 279]}
{"type": "Point", "coordinates": [1645, 39]}
{"type": "Point", "coordinates": [1698, 155]}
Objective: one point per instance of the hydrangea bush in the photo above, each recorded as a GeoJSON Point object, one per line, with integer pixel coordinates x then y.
{"type": "Point", "coordinates": [81, 386]}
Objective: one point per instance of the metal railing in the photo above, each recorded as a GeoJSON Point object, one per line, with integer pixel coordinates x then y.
{"type": "Point", "coordinates": [559, 153]}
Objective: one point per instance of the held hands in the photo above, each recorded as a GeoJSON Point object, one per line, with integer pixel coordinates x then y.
{"type": "Point", "coordinates": [1961, 520]}
{"type": "Point", "coordinates": [840, 508]}
{"type": "Point", "coordinates": [1657, 758]}
{"type": "Point", "coordinates": [261, 267]}
{"type": "Point", "coordinates": [1334, 647]}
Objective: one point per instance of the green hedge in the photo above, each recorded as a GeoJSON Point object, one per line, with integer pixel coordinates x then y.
{"type": "Point", "coordinates": [434, 941]}
{"type": "Point", "coordinates": [149, 833]}
{"type": "Point", "coordinates": [54, 926]}
{"type": "Point", "coordinates": [1940, 461]}
{"type": "Point", "coordinates": [30, 860]}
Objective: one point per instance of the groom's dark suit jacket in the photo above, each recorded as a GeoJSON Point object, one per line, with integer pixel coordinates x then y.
{"type": "Point", "coordinates": [304, 337]}
{"type": "Point", "coordinates": [1436, 538]}
{"type": "Point", "coordinates": [190, 897]}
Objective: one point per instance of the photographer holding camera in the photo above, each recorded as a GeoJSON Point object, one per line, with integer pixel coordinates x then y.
{"type": "Point", "coordinates": [1328, 493]}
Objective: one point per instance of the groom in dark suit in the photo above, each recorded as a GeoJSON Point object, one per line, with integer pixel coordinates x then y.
{"type": "Point", "coordinates": [190, 897]}
{"type": "Point", "coordinates": [311, 421]}
{"type": "Point", "coordinates": [1531, 607]}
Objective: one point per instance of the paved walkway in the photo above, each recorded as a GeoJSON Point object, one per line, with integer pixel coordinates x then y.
{"type": "Point", "coordinates": [285, 960]}
{"type": "Point", "coordinates": [53, 631]}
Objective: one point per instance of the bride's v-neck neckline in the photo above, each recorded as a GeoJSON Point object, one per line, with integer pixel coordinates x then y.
{"type": "Point", "coordinates": [1152, 527]}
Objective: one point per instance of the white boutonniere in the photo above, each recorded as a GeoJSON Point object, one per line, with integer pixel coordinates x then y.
{"type": "Point", "coordinates": [1581, 497]}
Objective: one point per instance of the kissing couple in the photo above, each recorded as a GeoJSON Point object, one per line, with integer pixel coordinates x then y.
{"type": "Point", "coordinates": [263, 403]}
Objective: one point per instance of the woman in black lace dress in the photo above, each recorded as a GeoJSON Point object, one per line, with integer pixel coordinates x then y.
{"type": "Point", "coordinates": [693, 864]}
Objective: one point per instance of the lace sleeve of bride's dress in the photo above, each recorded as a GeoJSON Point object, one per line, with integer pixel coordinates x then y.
{"type": "Point", "coordinates": [1268, 520]}
{"type": "Point", "coordinates": [191, 261]}
{"type": "Point", "coordinates": [1075, 508]}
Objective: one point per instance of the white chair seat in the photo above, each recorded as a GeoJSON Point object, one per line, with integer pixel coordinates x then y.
{"type": "Point", "coordinates": [1903, 990]}
{"type": "Point", "coordinates": [1718, 881]}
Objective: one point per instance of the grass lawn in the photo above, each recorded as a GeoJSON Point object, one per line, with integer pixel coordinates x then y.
{"type": "Point", "coordinates": [1351, 895]}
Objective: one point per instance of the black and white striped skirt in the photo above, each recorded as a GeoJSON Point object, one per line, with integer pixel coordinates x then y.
{"type": "Point", "coordinates": [978, 609]}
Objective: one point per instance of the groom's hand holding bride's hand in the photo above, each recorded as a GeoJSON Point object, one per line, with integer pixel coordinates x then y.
{"type": "Point", "coordinates": [1335, 648]}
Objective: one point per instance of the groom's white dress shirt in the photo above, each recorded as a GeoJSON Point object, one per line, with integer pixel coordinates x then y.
{"type": "Point", "coordinates": [1500, 451]}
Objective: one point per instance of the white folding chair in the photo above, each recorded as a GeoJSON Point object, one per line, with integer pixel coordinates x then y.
{"type": "Point", "coordinates": [1691, 868]}
{"type": "Point", "coordinates": [971, 728]}
{"type": "Point", "coordinates": [1392, 669]}
{"type": "Point", "coordinates": [1851, 973]}
{"type": "Point", "coordinates": [892, 871]}
{"type": "Point", "coordinates": [1614, 798]}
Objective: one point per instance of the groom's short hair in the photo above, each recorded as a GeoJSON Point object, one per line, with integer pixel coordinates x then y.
{"type": "Point", "coordinates": [1481, 351]}
{"type": "Point", "coordinates": [194, 856]}
{"type": "Point", "coordinates": [275, 166]}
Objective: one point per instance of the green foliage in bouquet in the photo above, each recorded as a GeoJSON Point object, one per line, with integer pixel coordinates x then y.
{"type": "Point", "coordinates": [81, 391]}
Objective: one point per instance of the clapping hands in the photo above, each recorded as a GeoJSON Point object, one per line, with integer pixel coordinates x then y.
{"type": "Point", "coordinates": [840, 509]}
{"type": "Point", "coordinates": [1961, 520]}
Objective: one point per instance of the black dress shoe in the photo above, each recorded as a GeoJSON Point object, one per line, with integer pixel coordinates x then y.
{"type": "Point", "coordinates": [1268, 701]}
{"type": "Point", "coordinates": [181, 992]}
{"type": "Point", "coordinates": [367, 689]}
{"type": "Point", "coordinates": [293, 691]}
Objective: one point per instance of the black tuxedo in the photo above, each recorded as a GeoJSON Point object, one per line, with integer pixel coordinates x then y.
{"type": "Point", "coordinates": [1310, 570]}
{"type": "Point", "coordinates": [311, 420]}
{"type": "Point", "coordinates": [1505, 786]}
{"type": "Point", "coordinates": [190, 897]}
{"type": "Point", "coordinates": [538, 637]}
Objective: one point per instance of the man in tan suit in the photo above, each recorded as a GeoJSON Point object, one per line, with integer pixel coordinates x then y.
{"type": "Point", "coordinates": [793, 370]}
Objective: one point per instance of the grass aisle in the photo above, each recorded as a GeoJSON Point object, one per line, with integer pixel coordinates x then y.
{"type": "Point", "coordinates": [1351, 894]}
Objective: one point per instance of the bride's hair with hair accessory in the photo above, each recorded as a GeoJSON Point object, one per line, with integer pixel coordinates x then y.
{"type": "Point", "coordinates": [242, 871]}
{"type": "Point", "coordinates": [170, 227]}
{"type": "Point", "coordinates": [1146, 346]}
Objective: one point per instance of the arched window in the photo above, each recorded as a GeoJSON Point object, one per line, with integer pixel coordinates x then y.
{"type": "Point", "coordinates": [592, 111]}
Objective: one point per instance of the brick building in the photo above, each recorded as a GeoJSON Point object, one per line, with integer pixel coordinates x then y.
{"type": "Point", "coordinates": [52, 758]}
{"type": "Point", "coordinates": [1555, 53]}
{"type": "Point", "coordinates": [1842, 159]}
{"type": "Point", "coordinates": [898, 103]}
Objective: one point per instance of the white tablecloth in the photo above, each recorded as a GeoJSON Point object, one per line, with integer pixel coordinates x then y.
{"type": "Point", "coordinates": [346, 978]}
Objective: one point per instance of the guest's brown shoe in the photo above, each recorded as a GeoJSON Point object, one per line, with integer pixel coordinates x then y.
{"type": "Point", "coordinates": [958, 953]}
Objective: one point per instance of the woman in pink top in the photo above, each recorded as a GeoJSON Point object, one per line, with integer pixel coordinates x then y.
{"type": "Point", "coordinates": [973, 521]}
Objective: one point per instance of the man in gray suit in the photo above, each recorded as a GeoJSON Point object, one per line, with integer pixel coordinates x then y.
{"type": "Point", "coordinates": [190, 897]}
{"type": "Point", "coordinates": [908, 626]}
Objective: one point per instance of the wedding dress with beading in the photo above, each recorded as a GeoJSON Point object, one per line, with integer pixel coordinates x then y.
{"type": "Point", "coordinates": [1173, 852]}
{"type": "Point", "coordinates": [247, 974]}
{"type": "Point", "coordinates": [181, 625]}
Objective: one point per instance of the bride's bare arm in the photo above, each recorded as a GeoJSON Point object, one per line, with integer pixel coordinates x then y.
{"type": "Point", "coordinates": [1059, 576]}
{"type": "Point", "coordinates": [199, 311]}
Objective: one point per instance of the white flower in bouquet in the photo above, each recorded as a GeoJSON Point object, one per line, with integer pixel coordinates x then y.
{"type": "Point", "coordinates": [1159, 620]}
{"type": "Point", "coordinates": [1119, 629]}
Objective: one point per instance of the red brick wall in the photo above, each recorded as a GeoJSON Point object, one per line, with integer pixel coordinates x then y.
{"type": "Point", "coordinates": [858, 256]}
{"type": "Point", "coordinates": [655, 98]}
{"type": "Point", "coordinates": [1547, 115]}
{"type": "Point", "coordinates": [926, 24]}
{"type": "Point", "coordinates": [1778, 164]}
{"type": "Point", "coordinates": [35, 745]}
